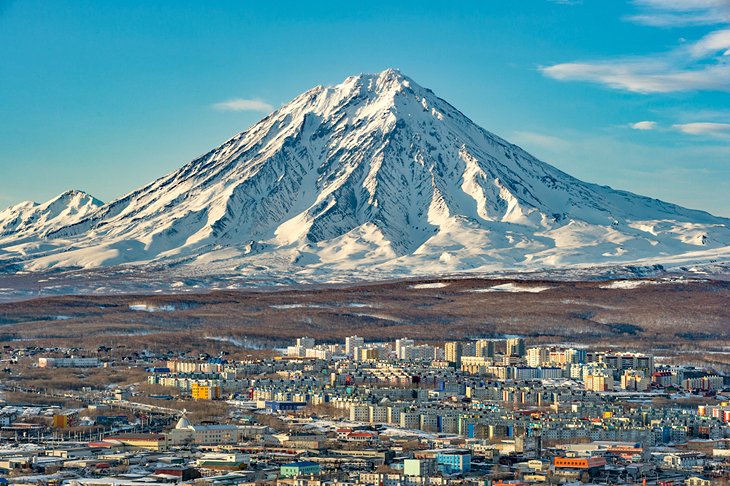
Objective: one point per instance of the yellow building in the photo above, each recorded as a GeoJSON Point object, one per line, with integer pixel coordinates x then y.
{"type": "Point", "coordinates": [205, 392]}
{"type": "Point", "coordinates": [369, 354]}
{"type": "Point", "coordinates": [60, 421]}
{"type": "Point", "coordinates": [598, 381]}
{"type": "Point", "coordinates": [453, 352]}
{"type": "Point", "coordinates": [475, 364]}
{"type": "Point", "coordinates": [485, 348]}
{"type": "Point", "coordinates": [516, 347]}
{"type": "Point", "coordinates": [634, 380]}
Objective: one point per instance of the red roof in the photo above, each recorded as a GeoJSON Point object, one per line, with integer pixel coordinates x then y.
{"type": "Point", "coordinates": [147, 437]}
{"type": "Point", "coordinates": [102, 444]}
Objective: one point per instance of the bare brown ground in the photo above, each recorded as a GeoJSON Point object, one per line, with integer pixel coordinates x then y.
{"type": "Point", "coordinates": [687, 317]}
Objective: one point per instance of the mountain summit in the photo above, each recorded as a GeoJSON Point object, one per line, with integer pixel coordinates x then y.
{"type": "Point", "coordinates": [374, 174]}
{"type": "Point", "coordinates": [30, 219]}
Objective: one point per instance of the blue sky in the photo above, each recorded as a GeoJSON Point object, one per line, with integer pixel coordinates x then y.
{"type": "Point", "coordinates": [107, 96]}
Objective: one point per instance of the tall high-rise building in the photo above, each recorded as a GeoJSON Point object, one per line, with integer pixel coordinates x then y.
{"type": "Point", "coordinates": [351, 343]}
{"type": "Point", "coordinates": [485, 348]}
{"type": "Point", "coordinates": [453, 352]}
{"type": "Point", "coordinates": [516, 347]}
{"type": "Point", "coordinates": [400, 346]}
{"type": "Point", "coordinates": [537, 356]}
{"type": "Point", "coordinates": [573, 355]}
{"type": "Point", "coordinates": [469, 348]}
{"type": "Point", "coordinates": [423, 352]}
{"type": "Point", "coordinates": [305, 342]}
{"type": "Point", "coordinates": [368, 354]}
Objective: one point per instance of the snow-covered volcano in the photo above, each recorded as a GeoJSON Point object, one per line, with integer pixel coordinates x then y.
{"type": "Point", "coordinates": [374, 174]}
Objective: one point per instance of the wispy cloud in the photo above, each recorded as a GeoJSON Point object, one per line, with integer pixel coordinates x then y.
{"type": "Point", "coordinates": [240, 104]}
{"type": "Point", "coordinates": [677, 13]}
{"type": "Point", "coordinates": [661, 74]}
{"type": "Point", "coordinates": [567, 2]}
{"type": "Point", "coordinates": [540, 140]}
{"type": "Point", "coordinates": [671, 172]}
{"type": "Point", "coordinates": [702, 65]}
{"type": "Point", "coordinates": [703, 114]}
{"type": "Point", "coordinates": [715, 42]}
{"type": "Point", "coordinates": [717, 130]}
{"type": "Point", "coordinates": [711, 129]}
{"type": "Point", "coordinates": [644, 125]}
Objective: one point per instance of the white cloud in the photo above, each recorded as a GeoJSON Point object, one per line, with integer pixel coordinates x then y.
{"type": "Point", "coordinates": [714, 42]}
{"type": "Point", "coordinates": [644, 125]}
{"type": "Point", "coordinates": [676, 13]}
{"type": "Point", "coordinates": [712, 129]}
{"type": "Point", "coordinates": [702, 65]}
{"type": "Point", "coordinates": [240, 104]}
{"type": "Point", "coordinates": [646, 75]}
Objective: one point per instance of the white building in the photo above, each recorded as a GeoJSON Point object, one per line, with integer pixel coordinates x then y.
{"type": "Point", "coordinates": [185, 433]}
{"type": "Point", "coordinates": [72, 362]}
{"type": "Point", "coordinates": [360, 413]}
{"type": "Point", "coordinates": [537, 356]}
{"type": "Point", "coordinates": [305, 342]}
{"type": "Point", "coordinates": [351, 343]}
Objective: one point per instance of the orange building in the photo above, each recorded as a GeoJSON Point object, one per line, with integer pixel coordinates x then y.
{"type": "Point", "coordinates": [60, 421]}
{"type": "Point", "coordinates": [205, 392]}
{"type": "Point", "coordinates": [579, 462]}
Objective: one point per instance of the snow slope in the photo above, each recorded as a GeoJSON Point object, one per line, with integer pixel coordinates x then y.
{"type": "Point", "coordinates": [29, 219]}
{"type": "Point", "coordinates": [376, 174]}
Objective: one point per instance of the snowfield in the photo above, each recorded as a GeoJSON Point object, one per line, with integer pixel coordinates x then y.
{"type": "Point", "coordinates": [376, 176]}
{"type": "Point", "coordinates": [511, 287]}
{"type": "Point", "coordinates": [433, 285]}
{"type": "Point", "coordinates": [634, 284]}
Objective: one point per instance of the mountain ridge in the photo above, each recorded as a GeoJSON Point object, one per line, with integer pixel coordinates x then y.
{"type": "Point", "coordinates": [374, 172]}
{"type": "Point", "coordinates": [30, 218]}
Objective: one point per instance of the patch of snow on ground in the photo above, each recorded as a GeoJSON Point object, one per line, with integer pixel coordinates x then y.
{"type": "Point", "coordinates": [295, 306]}
{"type": "Point", "coordinates": [627, 284]}
{"type": "Point", "coordinates": [434, 285]}
{"type": "Point", "coordinates": [510, 287]}
{"type": "Point", "coordinates": [384, 317]}
{"type": "Point", "coordinates": [633, 284]}
{"type": "Point", "coordinates": [151, 308]}
{"type": "Point", "coordinates": [356, 305]}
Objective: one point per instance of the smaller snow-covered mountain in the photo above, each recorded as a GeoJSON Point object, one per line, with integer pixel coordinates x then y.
{"type": "Point", "coordinates": [30, 219]}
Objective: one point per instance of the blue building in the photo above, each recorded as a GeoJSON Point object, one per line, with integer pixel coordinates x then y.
{"type": "Point", "coordinates": [283, 406]}
{"type": "Point", "coordinates": [453, 462]}
{"type": "Point", "coordinates": [300, 468]}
